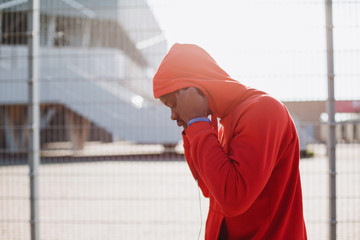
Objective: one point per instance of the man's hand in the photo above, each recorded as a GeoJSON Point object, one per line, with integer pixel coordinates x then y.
{"type": "Point", "coordinates": [191, 104]}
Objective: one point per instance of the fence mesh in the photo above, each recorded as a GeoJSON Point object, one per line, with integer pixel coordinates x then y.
{"type": "Point", "coordinates": [112, 164]}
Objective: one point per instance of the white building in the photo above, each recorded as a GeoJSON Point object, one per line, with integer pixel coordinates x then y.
{"type": "Point", "coordinates": [96, 63]}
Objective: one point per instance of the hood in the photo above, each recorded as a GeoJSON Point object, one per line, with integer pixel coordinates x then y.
{"type": "Point", "coordinates": [188, 65]}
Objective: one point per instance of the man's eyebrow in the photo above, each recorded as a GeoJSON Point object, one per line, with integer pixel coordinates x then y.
{"type": "Point", "coordinates": [169, 98]}
{"type": "Point", "coordinates": [165, 100]}
{"type": "Point", "coordinates": [169, 101]}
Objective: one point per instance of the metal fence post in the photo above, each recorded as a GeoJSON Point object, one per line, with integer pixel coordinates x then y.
{"type": "Point", "coordinates": [331, 138]}
{"type": "Point", "coordinates": [34, 112]}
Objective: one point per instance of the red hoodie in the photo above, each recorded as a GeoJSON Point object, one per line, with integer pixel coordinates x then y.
{"type": "Point", "coordinates": [250, 168]}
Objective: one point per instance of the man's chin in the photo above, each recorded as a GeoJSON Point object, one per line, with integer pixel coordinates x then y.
{"type": "Point", "coordinates": [181, 123]}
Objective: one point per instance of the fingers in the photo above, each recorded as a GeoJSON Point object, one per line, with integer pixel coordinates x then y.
{"type": "Point", "coordinates": [191, 104]}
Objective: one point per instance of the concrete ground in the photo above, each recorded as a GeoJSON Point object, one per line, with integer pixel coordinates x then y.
{"type": "Point", "coordinates": [156, 199]}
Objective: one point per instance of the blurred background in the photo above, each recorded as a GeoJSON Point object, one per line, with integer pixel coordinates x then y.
{"type": "Point", "coordinates": [86, 152]}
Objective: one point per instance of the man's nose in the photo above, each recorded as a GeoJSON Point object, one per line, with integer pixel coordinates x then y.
{"type": "Point", "coordinates": [174, 115]}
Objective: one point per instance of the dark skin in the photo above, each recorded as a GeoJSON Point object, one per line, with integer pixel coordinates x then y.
{"type": "Point", "coordinates": [186, 104]}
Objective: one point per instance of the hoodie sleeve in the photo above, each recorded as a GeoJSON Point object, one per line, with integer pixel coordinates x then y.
{"type": "Point", "coordinates": [190, 162]}
{"type": "Point", "coordinates": [236, 178]}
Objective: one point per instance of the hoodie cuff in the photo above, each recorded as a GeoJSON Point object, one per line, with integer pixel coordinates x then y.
{"type": "Point", "coordinates": [197, 128]}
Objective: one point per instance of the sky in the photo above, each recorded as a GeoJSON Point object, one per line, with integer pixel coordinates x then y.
{"type": "Point", "coordinates": [275, 46]}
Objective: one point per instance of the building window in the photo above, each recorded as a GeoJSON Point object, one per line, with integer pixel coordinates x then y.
{"type": "Point", "coordinates": [13, 28]}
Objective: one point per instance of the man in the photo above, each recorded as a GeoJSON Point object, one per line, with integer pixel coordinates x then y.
{"type": "Point", "coordinates": [250, 167]}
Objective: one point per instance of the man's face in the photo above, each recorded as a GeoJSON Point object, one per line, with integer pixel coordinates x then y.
{"type": "Point", "coordinates": [170, 100]}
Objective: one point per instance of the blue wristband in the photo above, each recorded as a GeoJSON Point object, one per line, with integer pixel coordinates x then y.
{"type": "Point", "coordinates": [198, 119]}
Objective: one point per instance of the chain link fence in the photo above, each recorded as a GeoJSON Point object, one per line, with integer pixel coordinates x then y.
{"type": "Point", "coordinates": [111, 161]}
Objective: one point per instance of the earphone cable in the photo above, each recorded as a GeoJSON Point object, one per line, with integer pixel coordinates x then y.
{"type": "Point", "coordinates": [201, 221]}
